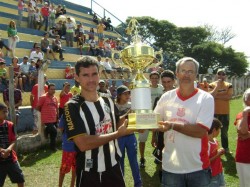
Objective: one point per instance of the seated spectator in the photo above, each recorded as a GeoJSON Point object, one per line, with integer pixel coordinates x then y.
{"type": "Point", "coordinates": [76, 89]}
{"type": "Point", "coordinates": [34, 46]}
{"type": "Point", "coordinates": [17, 73]}
{"type": "Point", "coordinates": [91, 34]}
{"type": "Point", "coordinates": [45, 46]}
{"type": "Point", "coordinates": [59, 28]}
{"type": "Point", "coordinates": [53, 32]}
{"type": "Point", "coordinates": [103, 91]}
{"type": "Point", "coordinates": [32, 72]}
{"type": "Point", "coordinates": [69, 72]}
{"type": "Point", "coordinates": [59, 11]}
{"type": "Point", "coordinates": [112, 89]}
{"type": "Point", "coordinates": [101, 47]}
{"type": "Point", "coordinates": [107, 48]}
{"type": "Point", "coordinates": [25, 66]}
{"type": "Point", "coordinates": [37, 54]}
{"type": "Point", "coordinates": [95, 18]}
{"type": "Point", "coordinates": [92, 47]}
{"type": "Point", "coordinates": [81, 41]}
{"type": "Point", "coordinates": [108, 25]}
{"type": "Point", "coordinates": [108, 69]}
{"type": "Point", "coordinates": [3, 72]}
{"type": "Point", "coordinates": [64, 11]}
{"type": "Point", "coordinates": [38, 20]}
{"type": "Point", "coordinates": [57, 47]}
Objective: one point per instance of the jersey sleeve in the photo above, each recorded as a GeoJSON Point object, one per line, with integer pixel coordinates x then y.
{"type": "Point", "coordinates": [74, 123]}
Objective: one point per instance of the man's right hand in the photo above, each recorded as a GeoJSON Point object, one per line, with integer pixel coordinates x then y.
{"type": "Point", "coordinates": [123, 130]}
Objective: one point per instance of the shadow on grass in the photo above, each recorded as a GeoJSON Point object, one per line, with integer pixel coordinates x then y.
{"type": "Point", "coordinates": [150, 181]}
{"type": "Point", "coordinates": [29, 159]}
{"type": "Point", "coordinates": [229, 165]}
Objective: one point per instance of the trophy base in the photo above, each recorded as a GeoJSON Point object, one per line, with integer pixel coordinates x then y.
{"type": "Point", "coordinates": [143, 121]}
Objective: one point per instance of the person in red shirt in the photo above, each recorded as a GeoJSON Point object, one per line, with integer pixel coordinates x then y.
{"type": "Point", "coordinates": [48, 106]}
{"type": "Point", "coordinates": [242, 156]}
{"type": "Point", "coordinates": [45, 14]}
{"type": "Point", "coordinates": [65, 95]}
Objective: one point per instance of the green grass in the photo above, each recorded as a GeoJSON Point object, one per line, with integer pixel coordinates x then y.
{"type": "Point", "coordinates": [41, 168]}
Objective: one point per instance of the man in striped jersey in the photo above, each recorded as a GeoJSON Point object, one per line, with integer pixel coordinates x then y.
{"type": "Point", "coordinates": [94, 127]}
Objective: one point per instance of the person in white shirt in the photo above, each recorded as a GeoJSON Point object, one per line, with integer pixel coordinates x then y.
{"type": "Point", "coordinates": [37, 54]}
{"type": "Point", "coordinates": [24, 67]}
{"type": "Point", "coordinates": [108, 68]}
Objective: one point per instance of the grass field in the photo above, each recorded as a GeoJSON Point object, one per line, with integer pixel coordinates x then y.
{"type": "Point", "coordinates": [41, 168]}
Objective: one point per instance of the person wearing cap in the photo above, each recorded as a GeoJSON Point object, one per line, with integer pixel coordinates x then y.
{"type": "Point", "coordinates": [222, 92]}
{"type": "Point", "coordinates": [24, 67]}
{"type": "Point", "coordinates": [103, 91]}
{"type": "Point", "coordinates": [129, 142]}
{"type": "Point", "coordinates": [3, 72]}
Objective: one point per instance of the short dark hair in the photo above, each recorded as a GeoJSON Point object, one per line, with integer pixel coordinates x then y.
{"type": "Point", "coordinates": [85, 62]}
{"type": "Point", "coordinates": [154, 73]}
{"type": "Point", "coordinates": [2, 106]}
{"type": "Point", "coordinates": [51, 84]}
{"type": "Point", "coordinates": [168, 73]}
{"type": "Point", "coordinates": [216, 124]}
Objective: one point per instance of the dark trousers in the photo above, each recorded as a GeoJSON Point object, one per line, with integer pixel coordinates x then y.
{"type": "Point", "coordinates": [50, 129]}
{"type": "Point", "coordinates": [224, 119]}
{"type": "Point", "coordinates": [58, 50]}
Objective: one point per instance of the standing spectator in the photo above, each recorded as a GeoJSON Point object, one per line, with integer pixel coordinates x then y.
{"type": "Point", "coordinates": [48, 106]}
{"type": "Point", "coordinates": [3, 72]}
{"type": "Point", "coordinates": [37, 19]}
{"type": "Point", "coordinates": [45, 14]}
{"type": "Point", "coordinates": [52, 15]}
{"type": "Point", "coordinates": [186, 115]}
{"type": "Point", "coordinates": [91, 34]}
{"type": "Point", "coordinates": [100, 48]}
{"type": "Point", "coordinates": [9, 165]}
{"type": "Point", "coordinates": [156, 91]}
{"type": "Point", "coordinates": [68, 156]}
{"type": "Point", "coordinates": [12, 37]}
{"type": "Point", "coordinates": [20, 7]}
{"type": "Point", "coordinates": [33, 102]}
{"type": "Point", "coordinates": [45, 46]}
{"type": "Point", "coordinates": [31, 12]}
{"type": "Point", "coordinates": [100, 30]}
{"type": "Point", "coordinates": [57, 47]}
{"type": "Point", "coordinates": [91, 119]}
{"type": "Point", "coordinates": [37, 54]}
{"type": "Point", "coordinates": [222, 92]}
{"type": "Point", "coordinates": [2, 44]}
{"type": "Point", "coordinates": [65, 95]}
{"type": "Point", "coordinates": [81, 41]}
{"type": "Point", "coordinates": [18, 99]}
{"type": "Point", "coordinates": [92, 47]}
{"type": "Point", "coordinates": [24, 67]}
{"type": "Point", "coordinates": [242, 157]}
{"type": "Point", "coordinates": [17, 73]}
{"type": "Point", "coordinates": [70, 29]}
{"type": "Point", "coordinates": [128, 142]}
{"type": "Point", "coordinates": [107, 48]}
{"type": "Point", "coordinates": [76, 89]}
{"type": "Point", "coordinates": [214, 154]}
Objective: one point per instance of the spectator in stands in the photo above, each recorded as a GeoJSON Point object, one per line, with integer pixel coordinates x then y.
{"type": "Point", "coordinates": [112, 43]}
{"type": "Point", "coordinates": [103, 91]}
{"type": "Point", "coordinates": [92, 47]}
{"type": "Point", "coordinates": [91, 34]}
{"type": "Point", "coordinates": [37, 19]}
{"type": "Point", "coordinates": [95, 18]}
{"type": "Point", "coordinates": [81, 41]}
{"type": "Point", "coordinates": [53, 32]}
{"type": "Point", "coordinates": [108, 24]}
{"type": "Point", "coordinates": [45, 46]}
{"type": "Point", "coordinates": [24, 67]}
{"type": "Point", "coordinates": [52, 15]}
{"type": "Point", "coordinates": [107, 48]}
{"type": "Point", "coordinates": [32, 72]}
{"type": "Point", "coordinates": [59, 28]}
{"type": "Point", "coordinates": [112, 89]}
{"type": "Point", "coordinates": [48, 106]}
{"type": "Point", "coordinates": [17, 99]}
{"type": "Point", "coordinates": [37, 54]}
{"type": "Point", "coordinates": [101, 47]}
{"type": "Point", "coordinates": [65, 95]}
{"type": "Point", "coordinates": [76, 89]}
{"type": "Point", "coordinates": [45, 14]}
{"type": "Point", "coordinates": [17, 73]}
{"type": "Point", "coordinates": [57, 47]}
{"type": "Point", "coordinates": [34, 3]}
{"type": "Point", "coordinates": [2, 45]}
{"type": "Point", "coordinates": [108, 69]}
{"type": "Point", "coordinates": [69, 72]}
{"type": "Point", "coordinates": [31, 12]}
{"type": "Point", "coordinates": [20, 7]}
{"type": "Point", "coordinates": [70, 29]}
{"type": "Point", "coordinates": [3, 72]}
{"type": "Point", "coordinates": [33, 102]}
{"type": "Point", "coordinates": [100, 30]}
{"type": "Point", "coordinates": [12, 37]}
{"type": "Point", "coordinates": [104, 21]}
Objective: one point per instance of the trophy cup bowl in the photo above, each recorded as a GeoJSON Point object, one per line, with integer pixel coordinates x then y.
{"type": "Point", "coordinates": [138, 57]}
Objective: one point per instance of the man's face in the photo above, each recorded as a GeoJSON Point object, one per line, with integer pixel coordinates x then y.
{"type": "Point", "coordinates": [186, 73]}
{"type": "Point", "coordinates": [51, 90]}
{"type": "Point", "coordinates": [167, 83]}
{"type": "Point", "coordinates": [3, 114]}
{"type": "Point", "coordinates": [25, 60]}
{"type": "Point", "coordinates": [154, 79]}
{"type": "Point", "coordinates": [88, 78]}
{"type": "Point", "coordinates": [221, 75]}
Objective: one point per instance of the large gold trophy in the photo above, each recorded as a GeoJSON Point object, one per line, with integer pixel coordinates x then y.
{"type": "Point", "coordinates": [139, 57]}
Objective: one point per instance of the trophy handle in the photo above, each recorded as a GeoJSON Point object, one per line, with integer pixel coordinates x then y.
{"type": "Point", "coordinates": [118, 61]}
{"type": "Point", "coordinates": [158, 63]}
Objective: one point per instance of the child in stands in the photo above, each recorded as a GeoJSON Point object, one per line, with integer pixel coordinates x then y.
{"type": "Point", "coordinates": [68, 156]}
{"type": "Point", "coordinates": [215, 153]}
{"type": "Point", "coordinates": [69, 72]}
{"type": "Point", "coordinates": [3, 72]}
{"type": "Point", "coordinates": [8, 158]}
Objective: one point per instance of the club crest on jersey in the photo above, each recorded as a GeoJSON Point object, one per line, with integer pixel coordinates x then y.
{"type": "Point", "coordinates": [106, 108]}
{"type": "Point", "coordinates": [181, 112]}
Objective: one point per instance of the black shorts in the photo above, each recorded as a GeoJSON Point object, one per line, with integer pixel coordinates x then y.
{"type": "Point", "coordinates": [112, 177]}
{"type": "Point", "coordinates": [13, 170]}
